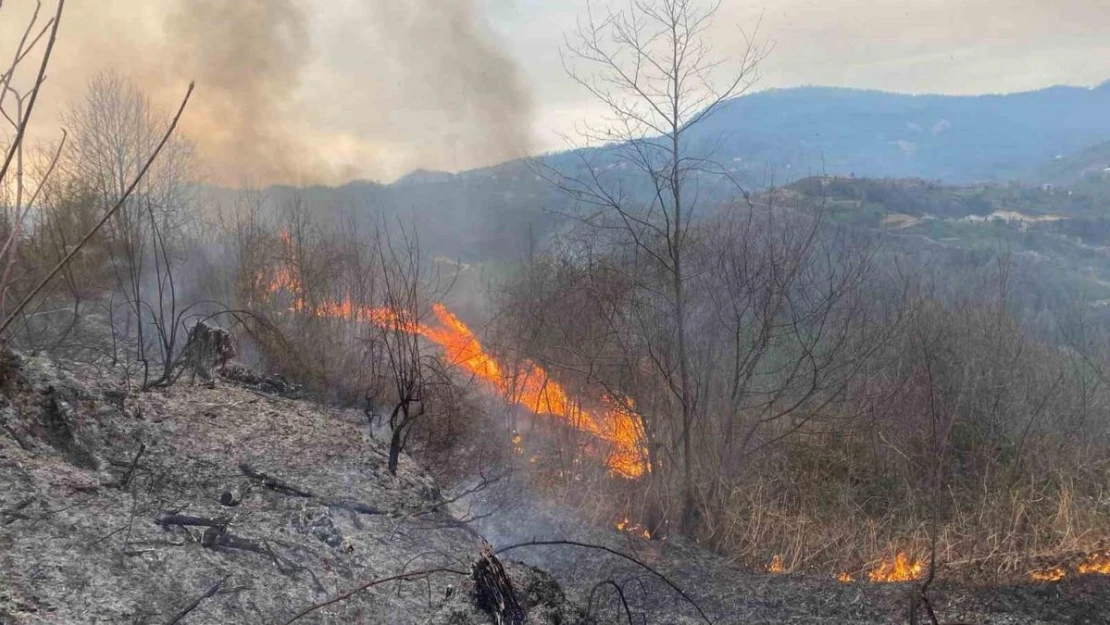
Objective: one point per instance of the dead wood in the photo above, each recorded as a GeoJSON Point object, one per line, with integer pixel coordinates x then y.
{"type": "Point", "coordinates": [285, 488]}
{"type": "Point", "coordinates": [166, 519]}
{"type": "Point", "coordinates": [273, 483]}
{"type": "Point", "coordinates": [494, 590]}
{"type": "Point", "coordinates": [194, 603]}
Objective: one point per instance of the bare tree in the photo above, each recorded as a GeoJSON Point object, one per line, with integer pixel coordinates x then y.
{"type": "Point", "coordinates": [651, 67]}
{"type": "Point", "coordinates": [114, 129]}
{"type": "Point", "coordinates": [406, 360]}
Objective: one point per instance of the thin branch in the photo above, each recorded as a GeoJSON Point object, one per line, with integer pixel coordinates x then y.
{"type": "Point", "coordinates": [371, 584]}
{"type": "Point", "coordinates": [193, 605]}
{"type": "Point", "coordinates": [119, 204]}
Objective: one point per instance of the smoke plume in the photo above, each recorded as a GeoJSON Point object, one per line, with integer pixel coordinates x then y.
{"type": "Point", "coordinates": [247, 57]}
{"type": "Point", "coordinates": [304, 91]}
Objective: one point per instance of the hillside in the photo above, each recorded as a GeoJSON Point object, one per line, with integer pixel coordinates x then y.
{"type": "Point", "coordinates": [224, 503]}
{"type": "Point", "coordinates": [1059, 237]}
{"type": "Point", "coordinates": [956, 139]}
{"type": "Point", "coordinates": [1088, 166]}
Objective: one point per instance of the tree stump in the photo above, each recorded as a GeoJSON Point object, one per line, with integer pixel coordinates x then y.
{"type": "Point", "coordinates": [494, 591]}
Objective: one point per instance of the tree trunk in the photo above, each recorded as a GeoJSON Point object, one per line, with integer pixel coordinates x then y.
{"type": "Point", "coordinates": [677, 244]}
{"type": "Point", "coordinates": [395, 450]}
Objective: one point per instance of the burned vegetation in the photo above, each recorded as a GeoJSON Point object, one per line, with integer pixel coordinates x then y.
{"type": "Point", "coordinates": [691, 399]}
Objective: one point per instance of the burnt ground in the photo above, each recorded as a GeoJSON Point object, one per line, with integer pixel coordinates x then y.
{"type": "Point", "coordinates": [92, 531]}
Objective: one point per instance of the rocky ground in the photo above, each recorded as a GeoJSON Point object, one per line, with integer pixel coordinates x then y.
{"type": "Point", "coordinates": [225, 503]}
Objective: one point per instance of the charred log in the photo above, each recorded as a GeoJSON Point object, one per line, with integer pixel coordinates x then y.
{"type": "Point", "coordinates": [494, 590]}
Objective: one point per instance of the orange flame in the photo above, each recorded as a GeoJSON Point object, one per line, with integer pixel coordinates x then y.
{"type": "Point", "coordinates": [614, 422]}
{"type": "Point", "coordinates": [624, 525]}
{"type": "Point", "coordinates": [845, 578]}
{"type": "Point", "coordinates": [1096, 563]}
{"type": "Point", "coordinates": [902, 569]}
{"type": "Point", "coordinates": [1053, 574]}
{"type": "Point", "coordinates": [776, 565]}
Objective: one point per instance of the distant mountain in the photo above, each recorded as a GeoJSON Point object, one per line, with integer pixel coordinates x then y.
{"type": "Point", "coordinates": [493, 213]}
{"type": "Point", "coordinates": [959, 139]}
{"type": "Point", "coordinates": [1090, 166]}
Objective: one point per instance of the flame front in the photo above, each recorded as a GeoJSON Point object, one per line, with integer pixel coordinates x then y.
{"type": "Point", "coordinates": [902, 569]}
{"type": "Point", "coordinates": [1053, 574]}
{"type": "Point", "coordinates": [1097, 563]}
{"type": "Point", "coordinates": [614, 422]}
{"type": "Point", "coordinates": [776, 565]}
{"type": "Point", "coordinates": [624, 525]}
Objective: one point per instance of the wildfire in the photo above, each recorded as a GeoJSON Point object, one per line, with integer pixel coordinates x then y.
{"type": "Point", "coordinates": [1096, 563]}
{"type": "Point", "coordinates": [776, 565]}
{"type": "Point", "coordinates": [902, 569]}
{"type": "Point", "coordinates": [845, 578]}
{"type": "Point", "coordinates": [1053, 574]}
{"type": "Point", "coordinates": [614, 422]}
{"type": "Point", "coordinates": [624, 525]}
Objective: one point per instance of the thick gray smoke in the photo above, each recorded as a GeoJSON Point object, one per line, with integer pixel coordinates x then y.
{"type": "Point", "coordinates": [446, 64]}
{"type": "Point", "coordinates": [304, 91]}
{"type": "Point", "coordinates": [247, 57]}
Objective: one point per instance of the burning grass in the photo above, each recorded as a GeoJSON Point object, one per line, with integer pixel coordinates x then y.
{"type": "Point", "coordinates": [1094, 563]}
{"type": "Point", "coordinates": [902, 568]}
{"type": "Point", "coordinates": [613, 422]}
{"type": "Point", "coordinates": [635, 529]}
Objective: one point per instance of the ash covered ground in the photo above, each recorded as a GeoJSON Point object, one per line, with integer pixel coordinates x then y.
{"type": "Point", "coordinates": [226, 504]}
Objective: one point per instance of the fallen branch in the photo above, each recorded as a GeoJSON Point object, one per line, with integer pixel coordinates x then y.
{"type": "Point", "coordinates": [273, 483]}
{"type": "Point", "coordinates": [573, 543]}
{"type": "Point", "coordinates": [285, 488]}
{"type": "Point", "coordinates": [371, 584]}
{"type": "Point", "coordinates": [193, 605]}
{"type": "Point", "coordinates": [170, 518]}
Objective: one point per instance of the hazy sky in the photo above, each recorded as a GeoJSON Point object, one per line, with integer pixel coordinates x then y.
{"type": "Point", "coordinates": [327, 90]}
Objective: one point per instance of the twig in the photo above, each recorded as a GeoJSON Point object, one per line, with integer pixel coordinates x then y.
{"type": "Point", "coordinates": [273, 483]}
{"type": "Point", "coordinates": [134, 463]}
{"type": "Point", "coordinates": [103, 220]}
{"type": "Point", "coordinates": [25, 121]}
{"type": "Point", "coordinates": [371, 584]}
{"type": "Point", "coordinates": [109, 534]}
{"type": "Point", "coordinates": [192, 606]}
{"type": "Point", "coordinates": [620, 593]}
{"type": "Point", "coordinates": [574, 543]}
